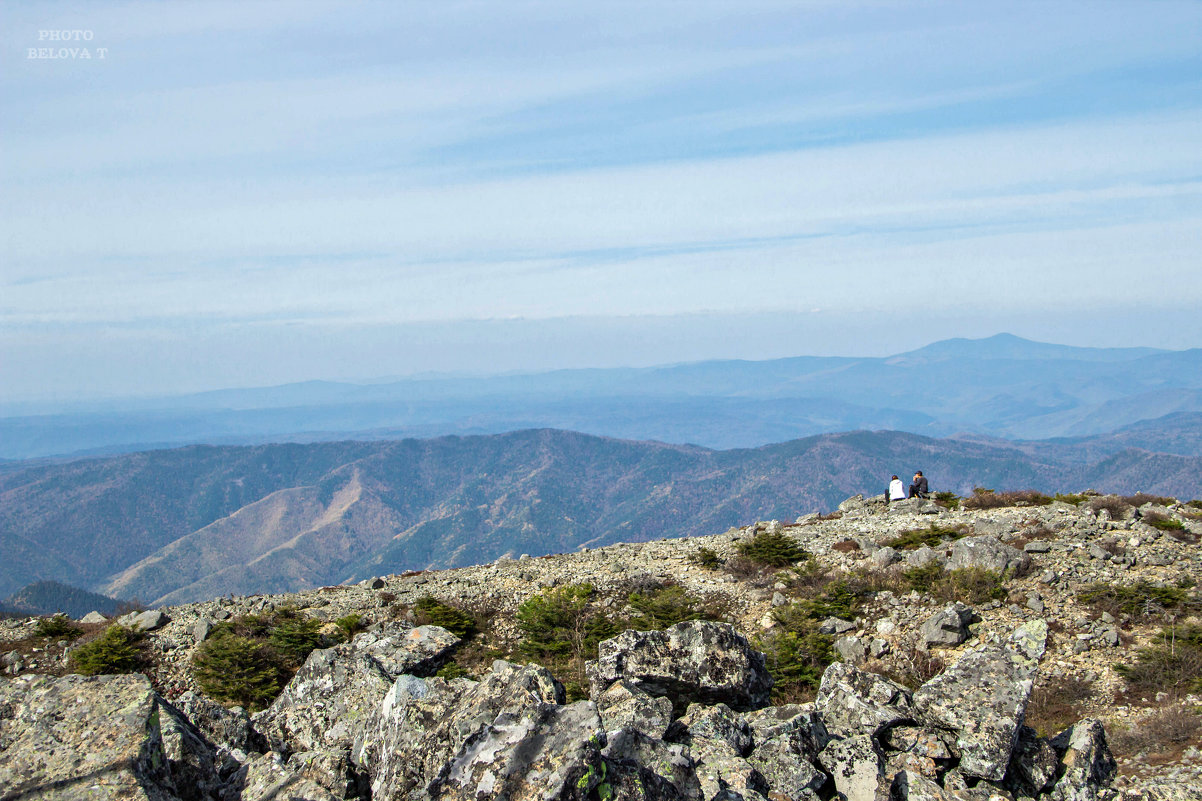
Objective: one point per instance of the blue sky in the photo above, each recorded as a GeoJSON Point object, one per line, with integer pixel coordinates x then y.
{"type": "Point", "coordinates": [246, 193]}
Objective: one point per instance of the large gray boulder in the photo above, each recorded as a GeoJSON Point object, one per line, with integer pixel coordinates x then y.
{"type": "Point", "coordinates": [985, 552]}
{"type": "Point", "coordinates": [543, 752]}
{"type": "Point", "coordinates": [696, 661]}
{"type": "Point", "coordinates": [1086, 764]}
{"type": "Point", "coordinates": [326, 704]}
{"type": "Point", "coordinates": [948, 626]}
{"type": "Point", "coordinates": [857, 766]}
{"type": "Point", "coordinates": [852, 701]}
{"type": "Point", "coordinates": [981, 700]}
{"type": "Point", "coordinates": [98, 737]}
{"type": "Point", "coordinates": [312, 776]}
{"type": "Point", "coordinates": [644, 767]}
{"type": "Point", "coordinates": [423, 725]}
{"type": "Point", "coordinates": [624, 706]}
{"type": "Point", "coordinates": [788, 740]}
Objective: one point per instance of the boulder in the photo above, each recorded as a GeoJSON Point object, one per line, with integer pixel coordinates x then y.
{"type": "Point", "coordinates": [853, 701]}
{"type": "Point", "coordinates": [1086, 764]}
{"type": "Point", "coordinates": [93, 617]}
{"type": "Point", "coordinates": [923, 556]}
{"type": "Point", "coordinates": [1033, 764]}
{"type": "Point", "coordinates": [312, 776]}
{"type": "Point", "coordinates": [985, 552]}
{"type": "Point", "coordinates": [696, 661]}
{"type": "Point", "coordinates": [857, 766]}
{"type": "Point", "coordinates": [787, 743]}
{"type": "Point", "coordinates": [851, 649]}
{"type": "Point", "coordinates": [542, 752]}
{"type": "Point", "coordinates": [150, 621]}
{"type": "Point", "coordinates": [423, 724]}
{"type": "Point", "coordinates": [718, 723]}
{"type": "Point", "coordinates": [623, 705]}
{"type": "Point", "coordinates": [835, 625]}
{"type": "Point", "coordinates": [948, 626]}
{"type": "Point", "coordinates": [909, 785]}
{"type": "Point", "coordinates": [326, 704]}
{"type": "Point", "coordinates": [86, 736]}
{"type": "Point", "coordinates": [885, 557]}
{"type": "Point", "coordinates": [228, 728]}
{"type": "Point", "coordinates": [981, 700]}
{"type": "Point", "coordinates": [646, 767]}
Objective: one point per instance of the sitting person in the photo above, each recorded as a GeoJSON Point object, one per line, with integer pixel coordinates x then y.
{"type": "Point", "coordinates": [919, 486]}
{"type": "Point", "coordinates": [896, 491]}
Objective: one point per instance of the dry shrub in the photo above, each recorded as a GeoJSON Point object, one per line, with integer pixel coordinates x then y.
{"type": "Point", "coordinates": [1160, 736]}
{"type": "Point", "coordinates": [988, 499]}
{"type": "Point", "coordinates": [846, 546]}
{"type": "Point", "coordinates": [1116, 506]}
{"type": "Point", "coordinates": [913, 666]}
{"type": "Point", "coordinates": [1140, 498]}
{"type": "Point", "coordinates": [836, 515]}
{"type": "Point", "coordinates": [1057, 702]}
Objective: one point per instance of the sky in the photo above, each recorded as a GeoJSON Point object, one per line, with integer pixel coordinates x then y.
{"type": "Point", "coordinates": [251, 193]}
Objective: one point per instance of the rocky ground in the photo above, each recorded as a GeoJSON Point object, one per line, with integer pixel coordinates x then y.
{"type": "Point", "coordinates": [1048, 553]}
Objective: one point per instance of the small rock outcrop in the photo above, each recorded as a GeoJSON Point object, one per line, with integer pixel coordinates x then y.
{"type": "Point", "coordinates": [697, 661]}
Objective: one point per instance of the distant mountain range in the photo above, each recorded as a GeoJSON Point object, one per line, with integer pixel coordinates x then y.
{"type": "Point", "coordinates": [1003, 386]}
{"type": "Point", "coordinates": [201, 521]}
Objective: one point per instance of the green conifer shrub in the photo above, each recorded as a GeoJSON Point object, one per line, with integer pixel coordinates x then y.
{"type": "Point", "coordinates": [118, 650]}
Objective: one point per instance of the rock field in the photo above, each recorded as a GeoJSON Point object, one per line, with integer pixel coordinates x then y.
{"type": "Point", "coordinates": [681, 713]}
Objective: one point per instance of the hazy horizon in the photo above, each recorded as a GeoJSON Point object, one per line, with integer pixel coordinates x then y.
{"type": "Point", "coordinates": [240, 194]}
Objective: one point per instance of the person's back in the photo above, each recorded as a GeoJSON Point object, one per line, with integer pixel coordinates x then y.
{"type": "Point", "coordinates": [897, 491]}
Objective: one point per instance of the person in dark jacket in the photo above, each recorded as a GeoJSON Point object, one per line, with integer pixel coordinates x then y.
{"type": "Point", "coordinates": [919, 486]}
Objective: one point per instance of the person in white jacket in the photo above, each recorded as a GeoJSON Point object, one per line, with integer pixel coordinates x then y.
{"type": "Point", "coordinates": [897, 491]}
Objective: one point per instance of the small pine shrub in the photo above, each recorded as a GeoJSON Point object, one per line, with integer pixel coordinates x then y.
{"type": "Point", "coordinates": [948, 500]}
{"type": "Point", "coordinates": [796, 660]}
{"type": "Point", "coordinates": [57, 627]}
{"type": "Point", "coordinates": [118, 650]}
{"type": "Point", "coordinates": [922, 578]}
{"type": "Point", "coordinates": [430, 611]}
{"type": "Point", "coordinates": [452, 670]}
{"type": "Point", "coordinates": [932, 536]}
{"type": "Point", "coordinates": [663, 607]}
{"type": "Point", "coordinates": [1070, 498]}
{"type": "Point", "coordinates": [294, 637]}
{"type": "Point", "coordinates": [1162, 522]}
{"type": "Point", "coordinates": [772, 549]}
{"type": "Point", "coordinates": [1142, 599]}
{"type": "Point", "coordinates": [707, 558]}
{"type": "Point", "coordinates": [350, 625]}
{"type": "Point", "coordinates": [561, 623]}
{"type": "Point", "coordinates": [239, 670]}
{"type": "Point", "coordinates": [1172, 665]}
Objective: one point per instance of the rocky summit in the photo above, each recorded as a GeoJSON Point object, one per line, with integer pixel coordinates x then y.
{"type": "Point", "coordinates": [1027, 648]}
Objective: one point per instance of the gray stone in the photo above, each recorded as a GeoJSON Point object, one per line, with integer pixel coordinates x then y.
{"type": "Point", "coordinates": [696, 661]}
{"type": "Point", "coordinates": [1086, 764]}
{"type": "Point", "coordinates": [1038, 546]}
{"type": "Point", "coordinates": [326, 704]}
{"type": "Point", "coordinates": [228, 728]}
{"type": "Point", "coordinates": [150, 620]}
{"type": "Point", "coordinates": [624, 706]}
{"type": "Point", "coordinates": [982, 697]}
{"type": "Point", "coordinates": [885, 557]}
{"type": "Point", "coordinates": [1033, 763]}
{"type": "Point", "coordinates": [788, 740]}
{"type": "Point", "coordinates": [856, 765]}
{"type": "Point", "coordinates": [985, 552]}
{"type": "Point", "coordinates": [910, 785]}
{"type": "Point", "coordinates": [834, 625]}
{"type": "Point", "coordinates": [718, 723]}
{"type": "Point", "coordinates": [923, 556]}
{"type": "Point", "coordinates": [312, 776]}
{"type": "Point", "coordinates": [94, 736]}
{"type": "Point", "coordinates": [853, 701]}
{"type": "Point", "coordinates": [851, 649]}
{"type": "Point", "coordinates": [422, 724]}
{"type": "Point", "coordinates": [543, 752]}
{"type": "Point", "coordinates": [93, 617]}
{"type": "Point", "coordinates": [648, 768]}
{"type": "Point", "coordinates": [948, 626]}
{"type": "Point", "coordinates": [201, 631]}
